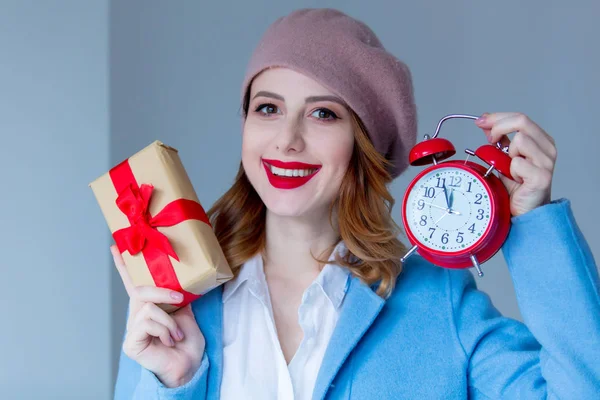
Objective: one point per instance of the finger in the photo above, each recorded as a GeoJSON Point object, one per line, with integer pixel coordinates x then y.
{"type": "Point", "coordinates": [155, 313]}
{"type": "Point", "coordinates": [141, 334]}
{"type": "Point", "coordinates": [524, 125]}
{"type": "Point", "coordinates": [525, 172]}
{"type": "Point", "coordinates": [156, 295]}
{"type": "Point", "coordinates": [490, 120]}
{"type": "Point", "coordinates": [143, 294]}
{"type": "Point", "coordinates": [186, 319]}
{"type": "Point", "coordinates": [525, 146]}
{"type": "Point", "coordinates": [497, 116]}
{"type": "Point", "coordinates": [506, 123]}
{"type": "Point", "coordinates": [487, 121]}
{"type": "Point", "coordinates": [120, 264]}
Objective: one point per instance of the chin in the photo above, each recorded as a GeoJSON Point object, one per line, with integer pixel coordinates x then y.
{"type": "Point", "coordinates": [286, 207]}
{"type": "Point", "coordinates": [302, 201]}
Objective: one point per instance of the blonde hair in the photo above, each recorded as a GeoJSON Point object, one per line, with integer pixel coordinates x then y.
{"type": "Point", "coordinates": [364, 218]}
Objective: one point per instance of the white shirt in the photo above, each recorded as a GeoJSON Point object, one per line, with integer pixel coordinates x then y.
{"type": "Point", "coordinates": [254, 366]}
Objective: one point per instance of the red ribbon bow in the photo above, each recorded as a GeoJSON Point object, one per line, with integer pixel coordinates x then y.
{"type": "Point", "coordinates": [142, 235]}
{"type": "Point", "coordinates": [134, 204]}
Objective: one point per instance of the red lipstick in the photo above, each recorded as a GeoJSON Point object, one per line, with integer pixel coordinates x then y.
{"type": "Point", "coordinates": [288, 182]}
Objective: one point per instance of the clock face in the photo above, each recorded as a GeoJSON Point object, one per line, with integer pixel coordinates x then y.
{"type": "Point", "coordinates": [448, 209]}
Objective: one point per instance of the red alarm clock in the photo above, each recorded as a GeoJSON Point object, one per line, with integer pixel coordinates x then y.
{"type": "Point", "coordinates": [456, 213]}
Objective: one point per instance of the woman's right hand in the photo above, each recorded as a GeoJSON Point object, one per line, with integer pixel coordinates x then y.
{"type": "Point", "coordinates": [169, 345]}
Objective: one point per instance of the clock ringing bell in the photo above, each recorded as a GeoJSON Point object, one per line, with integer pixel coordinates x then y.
{"type": "Point", "coordinates": [467, 224]}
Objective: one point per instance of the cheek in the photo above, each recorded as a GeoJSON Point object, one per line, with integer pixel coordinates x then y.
{"type": "Point", "coordinates": [251, 144]}
{"type": "Point", "coordinates": [339, 153]}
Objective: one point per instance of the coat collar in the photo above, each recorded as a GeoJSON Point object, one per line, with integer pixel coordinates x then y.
{"type": "Point", "coordinates": [208, 311]}
{"type": "Point", "coordinates": [361, 307]}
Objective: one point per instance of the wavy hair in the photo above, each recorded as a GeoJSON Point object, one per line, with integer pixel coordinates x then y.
{"type": "Point", "coordinates": [364, 219]}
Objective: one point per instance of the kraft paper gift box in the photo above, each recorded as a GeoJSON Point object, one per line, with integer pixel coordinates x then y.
{"type": "Point", "coordinates": [159, 226]}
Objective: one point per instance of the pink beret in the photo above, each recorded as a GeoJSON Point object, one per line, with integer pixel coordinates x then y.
{"type": "Point", "coordinates": [345, 56]}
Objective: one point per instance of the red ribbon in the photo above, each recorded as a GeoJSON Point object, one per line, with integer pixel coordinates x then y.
{"type": "Point", "coordinates": [142, 235]}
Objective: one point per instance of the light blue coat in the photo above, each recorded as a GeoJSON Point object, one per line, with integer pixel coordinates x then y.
{"type": "Point", "coordinates": [438, 337]}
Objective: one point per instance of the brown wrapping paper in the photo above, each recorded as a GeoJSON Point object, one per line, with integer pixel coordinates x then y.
{"type": "Point", "coordinates": [202, 266]}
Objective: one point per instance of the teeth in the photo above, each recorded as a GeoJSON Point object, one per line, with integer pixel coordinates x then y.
{"type": "Point", "coordinates": [291, 172]}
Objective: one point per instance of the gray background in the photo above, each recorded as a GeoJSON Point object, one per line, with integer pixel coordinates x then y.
{"type": "Point", "coordinates": [84, 85]}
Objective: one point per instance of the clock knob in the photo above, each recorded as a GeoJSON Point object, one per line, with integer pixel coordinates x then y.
{"type": "Point", "coordinates": [431, 151]}
{"type": "Point", "coordinates": [496, 158]}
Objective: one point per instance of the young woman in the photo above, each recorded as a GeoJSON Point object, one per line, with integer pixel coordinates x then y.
{"type": "Point", "coordinates": [320, 305]}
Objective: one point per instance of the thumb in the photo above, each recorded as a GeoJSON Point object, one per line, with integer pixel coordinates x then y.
{"type": "Point", "coordinates": [185, 318]}
{"type": "Point", "coordinates": [508, 183]}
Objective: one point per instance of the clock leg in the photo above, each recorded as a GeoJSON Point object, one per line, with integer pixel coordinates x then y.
{"type": "Point", "coordinates": [409, 253]}
{"type": "Point", "coordinates": [476, 265]}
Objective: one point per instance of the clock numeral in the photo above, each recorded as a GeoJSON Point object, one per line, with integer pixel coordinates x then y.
{"type": "Point", "coordinates": [443, 180]}
{"type": "Point", "coordinates": [479, 197]}
{"type": "Point", "coordinates": [472, 228]}
{"type": "Point", "coordinates": [423, 221]}
{"type": "Point", "coordinates": [432, 232]}
{"type": "Point", "coordinates": [469, 189]}
{"type": "Point", "coordinates": [459, 238]}
{"type": "Point", "coordinates": [421, 204]}
{"type": "Point", "coordinates": [457, 183]}
{"type": "Point", "coordinates": [445, 238]}
{"type": "Point", "coordinates": [479, 214]}
{"type": "Point", "coordinates": [429, 192]}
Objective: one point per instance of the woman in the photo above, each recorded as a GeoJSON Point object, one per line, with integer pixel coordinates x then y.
{"type": "Point", "coordinates": [320, 305]}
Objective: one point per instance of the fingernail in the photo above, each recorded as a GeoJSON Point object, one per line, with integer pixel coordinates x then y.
{"type": "Point", "coordinates": [177, 296]}
{"type": "Point", "coordinates": [481, 119]}
{"type": "Point", "coordinates": [171, 343]}
{"type": "Point", "coordinates": [179, 333]}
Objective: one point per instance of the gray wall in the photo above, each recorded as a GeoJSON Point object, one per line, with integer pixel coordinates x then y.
{"type": "Point", "coordinates": [54, 340]}
{"type": "Point", "coordinates": [175, 74]}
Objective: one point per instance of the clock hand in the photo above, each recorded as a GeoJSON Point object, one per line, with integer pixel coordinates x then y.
{"type": "Point", "coordinates": [451, 199]}
{"type": "Point", "coordinates": [446, 194]}
{"type": "Point", "coordinates": [442, 208]}
{"type": "Point", "coordinates": [436, 206]}
{"type": "Point", "coordinates": [440, 218]}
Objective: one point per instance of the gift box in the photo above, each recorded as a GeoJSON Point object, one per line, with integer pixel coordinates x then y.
{"type": "Point", "coordinates": [159, 226]}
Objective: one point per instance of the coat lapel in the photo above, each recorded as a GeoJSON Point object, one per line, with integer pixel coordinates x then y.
{"type": "Point", "coordinates": [360, 308]}
{"type": "Point", "coordinates": [208, 311]}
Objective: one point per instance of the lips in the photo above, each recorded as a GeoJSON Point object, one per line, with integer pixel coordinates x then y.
{"type": "Point", "coordinates": [288, 182]}
{"type": "Point", "coordinates": [291, 164]}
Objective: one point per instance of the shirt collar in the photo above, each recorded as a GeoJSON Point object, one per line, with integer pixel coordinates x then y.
{"type": "Point", "coordinates": [252, 268]}
{"type": "Point", "coordinates": [333, 279]}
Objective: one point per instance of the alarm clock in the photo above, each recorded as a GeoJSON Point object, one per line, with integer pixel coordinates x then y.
{"type": "Point", "coordinates": [456, 213]}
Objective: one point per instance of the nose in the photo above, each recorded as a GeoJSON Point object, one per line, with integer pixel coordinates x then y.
{"type": "Point", "coordinates": [290, 138]}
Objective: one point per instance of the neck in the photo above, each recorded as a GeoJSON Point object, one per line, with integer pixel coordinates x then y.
{"type": "Point", "coordinates": [292, 240]}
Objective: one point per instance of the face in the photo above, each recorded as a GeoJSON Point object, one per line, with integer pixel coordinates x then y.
{"type": "Point", "coordinates": [297, 143]}
{"type": "Point", "coordinates": [448, 209]}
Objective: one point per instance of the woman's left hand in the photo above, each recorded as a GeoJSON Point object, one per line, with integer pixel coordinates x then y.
{"type": "Point", "coordinates": [533, 154]}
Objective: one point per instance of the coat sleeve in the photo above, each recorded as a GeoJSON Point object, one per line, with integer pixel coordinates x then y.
{"type": "Point", "coordinates": [137, 383]}
{"type": "Point", "coordinates": [556, 353]}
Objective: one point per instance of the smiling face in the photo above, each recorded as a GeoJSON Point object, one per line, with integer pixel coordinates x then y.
{"type": "Point", "coordinates": [297, 142]}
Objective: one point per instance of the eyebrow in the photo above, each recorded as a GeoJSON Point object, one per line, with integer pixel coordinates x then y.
{"type": "Point", "coordinates": [310, 99]}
